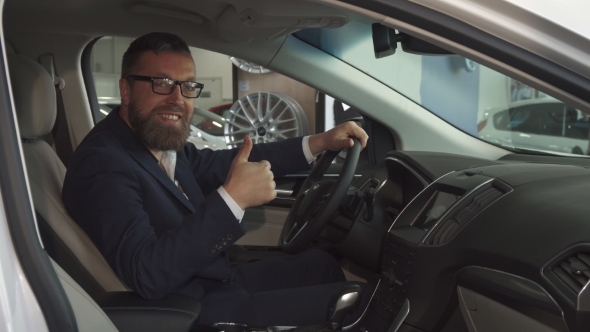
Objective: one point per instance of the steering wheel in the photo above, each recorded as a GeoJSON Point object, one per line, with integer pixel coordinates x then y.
{"type": "Point", "coordinates": [318, 200]}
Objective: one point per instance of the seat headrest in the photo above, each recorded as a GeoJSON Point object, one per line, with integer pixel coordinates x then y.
{"type": "Point", "coordinates": [34, 96]}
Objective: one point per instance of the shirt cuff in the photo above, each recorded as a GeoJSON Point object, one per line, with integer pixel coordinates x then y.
{"type": "Point", "coordinates": [233, 206]}
{"type": "Point", "coordinates": [307, 150]}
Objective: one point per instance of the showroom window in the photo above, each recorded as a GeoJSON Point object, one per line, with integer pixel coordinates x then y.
{"type": "Point", "coordinates": [238, 98]}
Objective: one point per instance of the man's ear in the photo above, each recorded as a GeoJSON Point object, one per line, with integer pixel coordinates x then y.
{"type": "Point", "coordinates": [125, 90]}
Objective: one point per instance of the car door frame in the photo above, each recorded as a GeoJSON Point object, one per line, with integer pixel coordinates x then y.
{"type": "Point", "coordinates": [46, 296]}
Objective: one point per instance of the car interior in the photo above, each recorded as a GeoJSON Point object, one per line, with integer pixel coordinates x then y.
{"type": "Point", "coordinates": [455, 231]}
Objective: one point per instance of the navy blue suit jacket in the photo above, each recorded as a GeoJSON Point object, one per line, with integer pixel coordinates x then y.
{"type": "Point", "coordinates": [156, 239]}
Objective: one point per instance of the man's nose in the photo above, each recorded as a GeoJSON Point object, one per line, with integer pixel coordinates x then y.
{"type": "Point", "coordinates": [175, 98]}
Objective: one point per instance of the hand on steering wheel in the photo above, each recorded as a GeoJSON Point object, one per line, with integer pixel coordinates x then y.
{"type": "Point", "coordinates": [318, 200]}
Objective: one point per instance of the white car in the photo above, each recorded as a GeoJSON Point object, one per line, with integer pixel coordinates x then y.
{"type": "Point", "coordinates": [541, 124]}
{"type": "Point", "coordinates": [457, 230]}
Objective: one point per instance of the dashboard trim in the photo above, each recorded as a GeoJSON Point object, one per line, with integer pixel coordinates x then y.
{"type": "Point", "coordinates": [401, 316]}
{"type": "Point", "coordinates": [284, 192]}
{"type": "Point", "coordinates": [330, 175]}
{"type": "Point", "coordinates": [510, 275]}
{"type": "Point", "coordinates": [412, 200]}
{"type": "Point", "coordinates": [449, 210]}
{"type": "Point", "coordinates": [490, 285]}
{"type": "Point", "coordinates": [424, 182]}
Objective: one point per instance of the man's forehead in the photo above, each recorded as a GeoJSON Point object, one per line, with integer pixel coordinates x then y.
{"type": "Point", "coordinates": [179, 66]}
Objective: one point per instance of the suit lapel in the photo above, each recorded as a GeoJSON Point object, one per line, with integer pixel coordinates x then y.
{"type": "Point", "coordinates": [143, 156]}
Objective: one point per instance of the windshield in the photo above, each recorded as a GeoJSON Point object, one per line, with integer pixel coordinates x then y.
{"type": "Point", "coordinates": [471, 97]}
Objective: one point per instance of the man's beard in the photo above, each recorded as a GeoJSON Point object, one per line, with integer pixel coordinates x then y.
{"type": "Point", "coordinates": [157, 135]}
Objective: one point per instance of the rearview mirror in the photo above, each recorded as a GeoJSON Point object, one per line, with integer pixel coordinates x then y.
{"type": "Point", "coordinates": [385, 41]}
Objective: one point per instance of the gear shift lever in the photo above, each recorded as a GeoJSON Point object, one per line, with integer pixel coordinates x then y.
{"type": "Point", "coordinates": [343, 303]}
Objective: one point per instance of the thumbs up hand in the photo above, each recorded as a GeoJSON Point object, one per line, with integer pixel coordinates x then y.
{"type": "Point", "coordinates": [249, 184]}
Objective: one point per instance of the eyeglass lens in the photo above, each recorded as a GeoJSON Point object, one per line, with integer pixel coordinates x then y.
{"type": "Point", "coordinates": [166, 86]}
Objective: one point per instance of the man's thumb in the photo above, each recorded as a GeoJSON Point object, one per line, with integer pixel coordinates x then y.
{"type": "Point", "coordinates": [244, 152]}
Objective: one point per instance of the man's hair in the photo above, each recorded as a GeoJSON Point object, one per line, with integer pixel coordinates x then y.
{"type": "Point", "coordinates": [154, 41]}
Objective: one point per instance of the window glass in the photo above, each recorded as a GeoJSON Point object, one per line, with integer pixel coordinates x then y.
{"type": "Point", "coordinates": [214, 70]}
{"type": "Point", "coordinates": [269, 106]}
{"type": "Point", "coordinates": [471, 97]}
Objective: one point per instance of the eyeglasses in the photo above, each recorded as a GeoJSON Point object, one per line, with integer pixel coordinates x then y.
{"type": "Point", "coordinates": [165, 86]}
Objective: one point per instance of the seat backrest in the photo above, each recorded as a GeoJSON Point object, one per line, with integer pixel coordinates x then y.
{"type": "Point", "coordinates": [35, 102]}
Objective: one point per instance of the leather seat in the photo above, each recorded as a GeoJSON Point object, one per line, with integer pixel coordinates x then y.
{"type": "Point", "coordinates": [89, 315]}
{"type": "Point", "coordinates": [65, 242]}
{"type": "Point", "coordinates": [69, 246]}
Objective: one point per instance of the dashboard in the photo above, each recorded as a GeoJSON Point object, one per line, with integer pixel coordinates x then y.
{"type": "Point", "coordinates": [465, 244]}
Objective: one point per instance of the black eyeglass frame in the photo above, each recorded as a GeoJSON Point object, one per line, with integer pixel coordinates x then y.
{"type": "Point", "coordinates": [198, 86]}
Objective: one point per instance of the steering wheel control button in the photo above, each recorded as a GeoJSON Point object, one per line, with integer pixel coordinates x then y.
{"type": "Point", "coordinates": [316, 186]}
{"type": "Point", "coordinates": [212, 251]}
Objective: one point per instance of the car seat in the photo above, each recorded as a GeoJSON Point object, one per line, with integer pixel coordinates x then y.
{"type": "Point", "coordinates": [65, 242]}
{"type": "Point", "coordinates": [69, 246]}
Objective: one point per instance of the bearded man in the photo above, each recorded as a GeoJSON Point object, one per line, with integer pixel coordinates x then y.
{"type": "Point", "coordinates": [162, 212]}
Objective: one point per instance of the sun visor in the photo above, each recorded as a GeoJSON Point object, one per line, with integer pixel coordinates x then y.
{"type": "Point", "coordinates": [242, 27]}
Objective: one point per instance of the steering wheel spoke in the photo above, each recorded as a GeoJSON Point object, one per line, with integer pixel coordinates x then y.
{"type": "Point", "coordinates": [318, 200]}
{"type": "Point", "coordinates": [294, 232]}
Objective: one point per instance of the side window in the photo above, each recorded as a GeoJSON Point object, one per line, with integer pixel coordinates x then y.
{"type": "Point", "coordinates": [238, 98]}
{"type": "Point", "coordinates": [552, 119]}
{"type": "Point", "coordinates": [574, 123]}
{"type": "Point", "coordinates": [540, 120]}
{"type": "Point", "coordinates": [522, 120]}
{"type": "Point", "coordinates": [501, 120]}
{"type": "Point", "coordinates": [213, 70]}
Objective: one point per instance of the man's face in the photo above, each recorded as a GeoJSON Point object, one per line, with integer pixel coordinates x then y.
{"type": "Point", "coordinates": [161, 121]}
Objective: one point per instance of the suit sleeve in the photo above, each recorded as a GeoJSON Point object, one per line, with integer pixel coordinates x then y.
{"type": "Point", "coordinates": [210, 168]}
{"type": "Point", "coordinates": [105, 197]}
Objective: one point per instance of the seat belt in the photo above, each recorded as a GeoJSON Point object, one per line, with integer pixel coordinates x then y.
{"type": "Point", "coordinates": [60, 131]}
{"type": "Point", "coordinates": [60, 134]}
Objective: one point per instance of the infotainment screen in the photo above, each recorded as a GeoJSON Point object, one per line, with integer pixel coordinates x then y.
{"type": "Point", "coordinates": [437, 205]}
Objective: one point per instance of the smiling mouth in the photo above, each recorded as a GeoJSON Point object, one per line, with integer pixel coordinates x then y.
{"type": "Point", "coordinates": [172, 117]}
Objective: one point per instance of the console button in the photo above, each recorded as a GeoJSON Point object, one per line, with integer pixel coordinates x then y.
{"type": "Point", "coordinates": [391, 279]}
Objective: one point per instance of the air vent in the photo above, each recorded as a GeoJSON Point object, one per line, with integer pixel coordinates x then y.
{"type": "Point", "coordinates": [574, 271]}
{"type": "Point", "coordinates": [449, 227]}
{"type": "Point", "coordinates": [569, 273]}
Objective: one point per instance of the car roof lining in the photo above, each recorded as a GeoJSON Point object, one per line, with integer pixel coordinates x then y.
{"type": "Point", "coordinates": [117, 18]}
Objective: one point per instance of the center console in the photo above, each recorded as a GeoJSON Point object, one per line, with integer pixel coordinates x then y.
{"type": "Point", "coordinates": [433, 218]}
